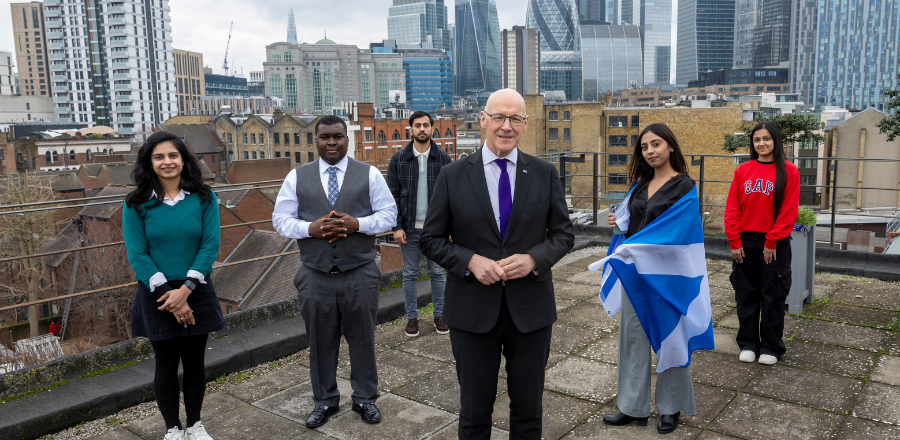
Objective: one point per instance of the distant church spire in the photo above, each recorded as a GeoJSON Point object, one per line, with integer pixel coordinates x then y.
{"type": "Point", "coordinates": [292, 28]}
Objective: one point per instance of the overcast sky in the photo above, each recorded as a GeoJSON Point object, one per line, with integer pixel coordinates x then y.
{"type": "Point", "coordinates": [202, 25]}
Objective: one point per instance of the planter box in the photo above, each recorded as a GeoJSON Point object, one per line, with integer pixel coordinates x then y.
{"type": "Point", "coordinates": [803, 269]}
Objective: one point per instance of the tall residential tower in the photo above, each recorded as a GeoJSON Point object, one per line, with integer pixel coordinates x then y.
{"type": "Point", "coordinates": [521, 58]}
{"type": "Point", "coordinates": [31, 48]}
{"type": "Point", "coordinates": [477, 52]}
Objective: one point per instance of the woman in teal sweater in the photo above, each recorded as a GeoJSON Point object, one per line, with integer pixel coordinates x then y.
{"type": "Point", "coordinates": [171, 227]}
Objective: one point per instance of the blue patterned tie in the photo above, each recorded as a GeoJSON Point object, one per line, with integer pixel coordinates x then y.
{"type": "Point", "coordinates": [332, 185]}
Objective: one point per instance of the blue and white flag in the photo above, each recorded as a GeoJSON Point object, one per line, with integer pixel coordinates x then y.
{"type": "Point", "coordinates": [662, 269]}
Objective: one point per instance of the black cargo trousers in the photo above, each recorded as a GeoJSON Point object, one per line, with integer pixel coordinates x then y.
{"type": "Point", "coordinates": [760, 291]}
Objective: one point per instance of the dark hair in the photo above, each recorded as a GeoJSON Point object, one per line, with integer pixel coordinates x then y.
{"type": "Point", "coordinates": [775, 132]}
{"type": "Point", "coordinates": [418, 114]}
{"type": "Point", "coordinates": [146, 180]}
{"type": "Point", "coordinates": [330, 120]}
{"type": "Point", "coordinates": [640, 172]}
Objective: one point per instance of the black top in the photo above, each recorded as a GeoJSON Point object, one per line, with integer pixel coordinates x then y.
{"type": "Point", "coordinates": [644, 211]}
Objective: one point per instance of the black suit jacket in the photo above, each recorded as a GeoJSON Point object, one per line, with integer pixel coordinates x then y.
{"type": "Point", "coordinates": [538, 225]}
{"type": "Point", "coordinates": [403, 180]}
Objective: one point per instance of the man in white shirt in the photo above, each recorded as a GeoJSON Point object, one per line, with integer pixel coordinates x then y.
{"type": "Point", "coordinates": [334, 207]}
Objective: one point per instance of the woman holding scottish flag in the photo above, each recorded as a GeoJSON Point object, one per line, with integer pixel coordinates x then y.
{"type": "Point", "coordinates": [759, 215]}
{"type": "Point", "coordinates": [660, 265]}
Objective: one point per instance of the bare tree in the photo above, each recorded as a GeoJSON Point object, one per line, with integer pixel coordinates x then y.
{"type": "Point", "coordinates": [24, 234]}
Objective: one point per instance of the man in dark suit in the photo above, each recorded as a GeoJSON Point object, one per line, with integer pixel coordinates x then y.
{"type": "Point", "coordinates": [506, 213]}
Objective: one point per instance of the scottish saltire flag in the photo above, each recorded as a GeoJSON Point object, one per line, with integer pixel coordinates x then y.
{"type": "Point", "coordinates": [662, 269]}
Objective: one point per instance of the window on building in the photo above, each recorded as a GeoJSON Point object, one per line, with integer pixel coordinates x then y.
{"type": "Point", "coordinates": [229, 139]}
{"type": "Point", "coordinates": [253, 138]}
{"type": "Point", "coordinates": [634, 139]}
{"type": "Point", "coordinates": [615, 160]}
{"type": "Point", "coordinates": [618, 121]}
{"type": "Point", "coordinates": [245, 138]}
{"type": "Point", "coordinates": [448, 134]}
{"type": "Point", "coordinates": [297, 139]}
{"type": "Point", "coordinates": [262, 154]}
{"type": "Point", "coordinates": [395, 136]}
{"type": "Point", "coordinates": [287, 139]}
{"type": "Point", "coordinates": [309, 138]}
{"type": "Point", "coordinates": [72, 155]}
{"type": "Point", "coordinates": [448, 147]}
{"type": "Point", "coordinates": [806, 163]}
{"type": "Point", "coordinates": [262, 139]}
{"type": "Point", "coordinates": [231, 156]}
{"type": "Point", "coordinates": [566, 135]}
{"type": "Point", "coordinates": [553, 134]}
{"type": "Point", "coordinates": [254, 155]}
{"type": "Point", "coordinates": [368, 135]}
{"type": "Point", "coordinates": [554, 116]}
{"type": "Point", "coordinates": [809, 179]}
{"type": "Point", "coordinates": [89, 155]}
{"type": "Point", "coordinates": [246, 156]}
{"type": "Point", "coordinates": [309, 155]}
{"type": "Point", "coordinates": [277, 154]}
{"type": "Point", "coordinates": [617, 179]}
{"type": "Point", "coordinates": [554, 156]}
{"type": "Point", "coordinates": [298, 158]}
{"type": "Point", "coordinates": [618, 141]}
{"type": "Point", "coordinates": [277, 139]}
{"type": "Point", "coordinates": [567, 116]}
{"type": "Point", "coordinates": [635, 121]}
{"type": "Point", "coordinates": [48, 157]}
{"type": "Point", "coordinates": [809, 145]}
{"type": "Point", "coordinates": [382, 140]}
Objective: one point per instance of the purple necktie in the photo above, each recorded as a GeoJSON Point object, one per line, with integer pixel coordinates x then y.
{"type": "Point", "coordinates": [504, 196]}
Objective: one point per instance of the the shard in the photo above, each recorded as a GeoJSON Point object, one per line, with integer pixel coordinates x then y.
{"type": "Point", "coordinates": [292, 28]}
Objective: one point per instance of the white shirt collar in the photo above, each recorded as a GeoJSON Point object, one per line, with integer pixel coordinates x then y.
{"type": "Point", "coordinates": [168, 201]}
{"type": "Point", "coordinates": [488, 156]}
{"type": "Point", "coordinates": [416, 152]}
{"type": "Point", "coordinates": [342, 165]}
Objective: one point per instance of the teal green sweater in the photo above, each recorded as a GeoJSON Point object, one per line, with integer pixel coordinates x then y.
{"type": "Point", "coordinates": [172, 239]}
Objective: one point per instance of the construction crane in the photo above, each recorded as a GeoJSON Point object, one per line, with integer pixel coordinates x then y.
{"type": "Point", "coordinates": [225, 64]}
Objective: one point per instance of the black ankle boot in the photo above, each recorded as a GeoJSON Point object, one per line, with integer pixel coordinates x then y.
{"type": "Point", "coordinates": [623, 419]}
{"type": "Point", "coordinates": [667, 423]}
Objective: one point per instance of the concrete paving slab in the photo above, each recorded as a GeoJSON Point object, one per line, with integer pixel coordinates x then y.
{"type": "Point", "coordinates": [214, 405]}
{"type": "Point", "coordinates": [561, 413]}
{"type": "Point", "coordinates": [401, 419]}
{"type": "Point", "coordinates": [829, 359]}
{"type": "Point", "coordinates": [725, 342]}
{"type": "Point", "coordinates": [397, 368]}
{"type": "Point", "coordinates": [119, 433]}
{"type": "Point", "coordinates": [793, 323]}
{"type": "Point", "coordinates": [824, 290]}
{"type": "Point", "coordinates": [589, 315]}
{"type": "Point", "coordinates": [879, 402]}
{"type": "Point", "coordinates": [434, 345]}
{"type": "Point", "coordinates": [754, 417]}
{"type": "Point", "coordinates": [606, 349]}
{"type": "Point", "coordinates": [296, 402]}
{"type": "Point", "coordinates": [451, 433]}
{"type": "Point", "coordinates": [439, 389]}
{"type": "Point", "coordinates": [258, 388]}
{"type": "Point", "coordinates": [576, 376]}
{"type": "Point", "coordinates": [587, 261]}
{"type": "Point", "coordinates": [893, 345]}
{"type": "Point", "coordinates": [866, 295]}
{"type": "Point", "coordinates": [248, 422]}
{"type": "Point", "coordinates": [718, 312]}
{"type": "Point", "coordinates": [710, 401]}
{"type": "Point", "coordinates": [574, 291]}
{"type": "Point", "coordinates": [887, 370]}
{"type": "Point", "coordinates": [390, 336]}
{"type": "Point", "coordinates": [571, 338]}
{"type": "Point", "coordinates": [595, 429]}
{"type": "Point", "coordinates": [808, 388]}
{"type": "Point", "coordinates": [722, 280]}
{"type": "Point", "coordinates": [846, 335]}
{"type": "Point", "coordinates": [712, 435]}
{"type": "Point", "coordinates": [730, 320]}
{"type": "Point", "coordinates": [723, 296]}
{"type": "Point", "coordinates": [858, 315]}
{"type": "Point", "coordinates": [311, 434]}
{"type": "Point", "coordinates": [587, 277]}
{"type": "Point", "coordinates": [564, 272]}
{"type": "Point", "coordinates": [722, 370]}
{"type": "Point", "coordinates": [856, 428]}
{"type": "Point", "coordinates": [555, 358]}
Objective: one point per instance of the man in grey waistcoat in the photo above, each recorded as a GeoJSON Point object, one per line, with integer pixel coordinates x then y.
{"type": "Point", "coordinates": [334, 207]}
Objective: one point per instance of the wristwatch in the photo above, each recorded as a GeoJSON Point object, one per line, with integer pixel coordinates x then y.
{"type": "Point", "coordinates": [190, 285]}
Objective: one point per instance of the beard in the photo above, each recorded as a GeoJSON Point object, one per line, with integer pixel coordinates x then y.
{"type": "Point", "coordinates": [419, 139]}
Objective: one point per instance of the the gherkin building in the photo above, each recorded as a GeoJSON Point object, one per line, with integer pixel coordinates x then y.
{"type": "Point", "coordinates": [557, 20]}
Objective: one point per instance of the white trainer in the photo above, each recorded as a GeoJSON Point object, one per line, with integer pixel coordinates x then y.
{"type": "Point", "coordinates": [197, 432]}
{"type": "Point", "coordinates": [748, 356]}
{"type": "Point", "coordinates": [767, 359]}
{"type": "Point", "coordinates": [174, 434]}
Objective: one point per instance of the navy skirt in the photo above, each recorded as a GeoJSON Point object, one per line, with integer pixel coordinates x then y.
{"type": "Point", "coordinates": [158, 325]}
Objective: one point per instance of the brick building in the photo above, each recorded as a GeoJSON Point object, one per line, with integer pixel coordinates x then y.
{"type": "Point", "coordinates": [382, 137]}
{"type": "Point", "coordinates": [248, 137]}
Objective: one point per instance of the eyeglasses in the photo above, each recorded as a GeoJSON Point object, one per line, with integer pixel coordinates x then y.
{"type": "Point", "coordinates": [500, 119]}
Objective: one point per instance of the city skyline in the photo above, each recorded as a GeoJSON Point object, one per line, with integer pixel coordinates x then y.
{"type": "Point", "coordinates": [258, 25]}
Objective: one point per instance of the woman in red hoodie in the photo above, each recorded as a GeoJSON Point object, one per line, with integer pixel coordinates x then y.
{"type": "Point", "coordinates": [759, 216]}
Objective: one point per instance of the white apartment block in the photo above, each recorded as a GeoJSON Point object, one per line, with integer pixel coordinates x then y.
{"type": "Point", "coordinates": [111, 62]}
{"type": "Point", "coordinates": [7, 79]}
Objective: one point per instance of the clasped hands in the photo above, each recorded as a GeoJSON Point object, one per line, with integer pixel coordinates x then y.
{"type": "Point", "coordinates": [489, 271]}
{"type": "Point", "coordinates": [334, 226]}
{"type": "Point", "coordinates": [175, 301]}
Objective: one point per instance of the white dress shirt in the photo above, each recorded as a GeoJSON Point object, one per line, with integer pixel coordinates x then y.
{"type": "Point", "coordinates": [384, 216]}
{"type": "Point", "coordinates": [492, 176]}
{"type": "Point", "coordinates": [158, 279]}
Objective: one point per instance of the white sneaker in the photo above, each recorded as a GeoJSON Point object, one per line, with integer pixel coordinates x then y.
{"type": "Point", "coordinates": [174, 434]}
{"type": "Point", "coordinates": [748, 356]}
{"type": "Point", "coordinates": [197, 432]}
{"type": "Point", "coordinates": [767, 359]}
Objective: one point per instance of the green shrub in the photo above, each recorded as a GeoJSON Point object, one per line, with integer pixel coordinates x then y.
{"type": "Point", "coordinates": [806, 217]}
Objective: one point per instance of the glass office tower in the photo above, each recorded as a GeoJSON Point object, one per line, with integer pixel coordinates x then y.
{"type": "Point", "coordinates": [654, 19]}
{"type": "Point", "coordinates": [429, 78]}
{"type": "Point", "coordinates": [419, 22]}
{"type": "Point", "coordinates": [556, 20]}
{"type": "Point", "coordinates": [845, 52]}
{"type": "Point", "coordinates": [761, 33]}
{"type": "Point", "coordinates": [705, 37]}
{"type": "Point", "coordinates": [611, 59]}
{"type": "Point", "coordinates": [477, 47]}
{"type": "Point", "coordinates": [561, 70]}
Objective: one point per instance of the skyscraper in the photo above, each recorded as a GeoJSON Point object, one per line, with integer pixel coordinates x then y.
{"type": "Point", "coordinates": [705, 37]}
{"type": "Point", "coordinates": [591, 10]}
{"type": "Point", "coordinates": [556, 20]}
{"type": "Point", "coordinates": [112, 63]}
{"type": "Point", "coordinates": [292, 28]}
{"type": "Point", "coordinates": [31, 48]}
{"type": "Point", "coordinates": [477, 47]}
{"type": "Point", "coordinates": [654, 19]}
{"type": "Point", "coordinates": [611, 59]}
{"type": "Point", "coordinates": [761, 33]}
{"type": "Point", "coordinates": [844, 52]}
{"type": "Point", "coordinates": [419, 22]}
{"type": "Point", "coordinates": [521, 59]}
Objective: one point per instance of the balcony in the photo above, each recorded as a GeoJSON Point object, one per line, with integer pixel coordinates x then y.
{"type": "Point", "coordinates": [118, 31]}
{"type": "Point", "coordinates": [57, 67]}
{"type": "Point", "coordinates": [123, 97]}
{"type": "Point", "coordinates": [62, 109]}
{"type": "Point", "coordinates": [62, 99]}
{"type": "Point", "coordinates": [53, 46]}
{"type": "Point", "coordinates": [60, 89]}
{"type": "Point", "coordinates": [55, 34]}
{"type": "Point", "coordinates": [52, 12]}
{"type": "Point", "coordinates": [118, 43]}
{"type": "Point", "coordinates": [122, 86]}
{"type": "Point", "coordinates": [121, 65]}
{"type": "Point", "coordinates": [124, 108]}
{"type": "Point", "coordinates": [55, 78]}
{"type": "Point", "coordinates": [64, 120]}
{"type": "Point", "coordinates": [116, 9]}
{"type": "Point", "coordinates": [126, 130]}
{"type": "Point", "coordinates": [117, 20]}
{"type": "Point", "coordinates": [121, 76]}
{"type": "Point", "coordinates": [57, 56]}
{"type": "Point", "coordinates": [125, 119]}
{"type": "Point", "coordinates": [52, 2]}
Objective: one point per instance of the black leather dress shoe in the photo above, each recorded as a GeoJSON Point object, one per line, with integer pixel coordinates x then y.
{"type": "Point", "coordinates": [368, 412]}
{"type": "Point", "coordinates": [667, 423]}
{"type": "Point", "coordinates": [320, 415]}
{"type": "Point", "coordinates": [623, 419]}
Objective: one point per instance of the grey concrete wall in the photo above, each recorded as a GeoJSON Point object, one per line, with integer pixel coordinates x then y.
{"type": "Point", "coordinates": [850, 134]}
